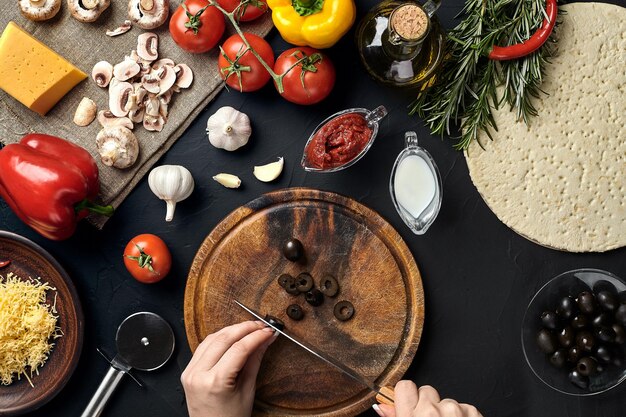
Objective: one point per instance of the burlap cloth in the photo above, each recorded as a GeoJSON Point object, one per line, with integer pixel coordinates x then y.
{"type": "Point", "coordinates": [84, 44]}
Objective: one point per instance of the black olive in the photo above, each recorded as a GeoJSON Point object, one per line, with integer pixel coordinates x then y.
{"type": "Point", "coordinates": [573, 354]}
{"type": "Point", "coordinates": [586, 302]}
{"type": "Point", "coordinates": [304, 282]}
{"type": "Point", "coordinates": [295, 312]}
{"type": "Point", "coordinates": [283, 279]}
{"type": "Point", "coordinates": [603, 354]}
{"type": "Point", "coordinates": [566, 337]}
{"type": "Point", "coordinates": [606, 334]}
{"type": "Point", "coordinates": [604, 285]}
{"type": "Point", "coordinates": [291, 286]}
{"type": "Point", "coordinates": [329, 286]}
{"type": "Point", "coordinates": [620, 314]}
{"type": "Point", "coordinates": [558, 358]}
{"type": "Point", "coordinates": [617, 355]}
{"type": "Point", "coordinates": [599, 369]}
{"type": "Point", "coordinates": [546, 341]}
{"type": "Point", "coordinates": [587, 366]}
{"type": "Point", "coordinates": [550, 320]}
{"type": "Point", "coordinates": [275, 321]}
{"type": "Point", "coordinates": [607, 300]}
{"type": "Point", "coordinates": [580, 322]}
{"type": "Point", "coordinates": [293, 250]}
{"type": "Point", "coordinates": [579, 380]}
{"type": "Point", "coordinates": [585, 341]}
{"type": "Point", "coordinates": [344, 310]}
{"type": "Point", "coordinates": [314, 297]}
{"type": "Point", "coordinates": [602, 320]}
{"type": "Point", "coordinates": [620, 333]}
{"type": "Point", "coordinates": [567, 307]}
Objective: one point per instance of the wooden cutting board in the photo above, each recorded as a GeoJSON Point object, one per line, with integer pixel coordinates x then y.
{"type": "Point", "coordinates": [241, 259]}
{"type": "Point", "coordinates": [30, 260]}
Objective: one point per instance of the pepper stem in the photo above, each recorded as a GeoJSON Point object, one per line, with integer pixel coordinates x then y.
{"type": "Point", "coordinates": [94, 208]}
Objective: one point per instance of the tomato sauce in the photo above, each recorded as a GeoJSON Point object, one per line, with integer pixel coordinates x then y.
{"type": "Point", "coordinates": [338, 141]}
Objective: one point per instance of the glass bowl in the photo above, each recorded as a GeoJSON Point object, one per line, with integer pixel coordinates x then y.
{"type": "Point", "coordinates": [373, 119]}
{"type": "Point", "coordinates": [569, 283]}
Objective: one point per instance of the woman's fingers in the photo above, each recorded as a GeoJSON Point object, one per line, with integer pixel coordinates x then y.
{"type": "Point", "coordinates": [385, 410]}
{"type": "Point", "coordinates": [251, 368]}
{"type": "Point", "coordinates": [406, 397]}
{"type": "Point", "coordinates": [428, 394]}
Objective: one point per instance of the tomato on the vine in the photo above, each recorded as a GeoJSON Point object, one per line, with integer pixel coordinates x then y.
{"type": "Point", "coordinates": [249, 10]}
{"type": "Point", "coordinates": [147, 258]}
{"type": "Point", "coordinates": [196, 26]}
{"type": "Point", "coordinates": [238, 65]}
{"type": "Point", "coordinates": [309, 81]}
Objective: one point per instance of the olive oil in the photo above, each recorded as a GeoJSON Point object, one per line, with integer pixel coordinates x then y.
{"type": "Point", "coordinates": [400, 51]}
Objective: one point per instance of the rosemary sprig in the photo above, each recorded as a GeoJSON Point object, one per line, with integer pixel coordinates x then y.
{"type": "Point", "coordinates": [466, 89]}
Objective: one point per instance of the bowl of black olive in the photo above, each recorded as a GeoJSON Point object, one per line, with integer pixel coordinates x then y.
{"type": "Point", "coordinates": [573, 333]}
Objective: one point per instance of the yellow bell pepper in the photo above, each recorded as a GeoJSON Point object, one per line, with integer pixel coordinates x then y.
{"type": "Point", "coordinates": [316, 23]}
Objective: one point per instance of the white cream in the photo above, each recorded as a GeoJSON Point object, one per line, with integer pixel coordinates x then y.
{"type": "Point", "coordinates": [414, 185]}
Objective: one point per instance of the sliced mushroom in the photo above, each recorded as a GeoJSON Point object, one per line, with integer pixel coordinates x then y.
{"type": "Point", "coordinates": [108, 119]}
{"type": "Point", "coordinates": [152, 107]}
{"type": "Point", "coordinates": [147, 46]}
{"type": "Point", "coordinates": [125, 70]}
{"type": "Point", "coordinates": [184, 76]}
{"type": "Point", "coordinates": [152, 123]}
{"type": "Point", "coordinates": [85, 112]}
{"type": "Point", "coordinates": [151, 82]}
{"type": "Point", "coordinates": [102, 73]}
{"type": "Point", "coordinates": [87, 10]}
{"type": "Point", "coordinates": [167, 79]}
{"type": "Point", "coordinates": [118, 147]}
{"type": "Point", "coordinates": [167, 96]}
{"type": "Point", "coordinates": [119, 97]}
{"type": "Point", "coordinates": [148, 14]}
{"type": "Point", "coordinates": [163, 62]}
{"type": "Point", "coordinates": [123, 28]}
{"type": "Point", "coordinates": [38, 10]}
{"type": "Point", "coordinates": [137, 115]}
{"type": "Point", "coordinates": [163, 109]}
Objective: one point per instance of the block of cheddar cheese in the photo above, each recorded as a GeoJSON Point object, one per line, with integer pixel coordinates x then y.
{"type": "Point", "coordinates": [32, 73]}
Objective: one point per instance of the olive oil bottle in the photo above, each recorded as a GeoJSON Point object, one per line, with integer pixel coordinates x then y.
{"type": "Point", "coordinates": [401, 43]}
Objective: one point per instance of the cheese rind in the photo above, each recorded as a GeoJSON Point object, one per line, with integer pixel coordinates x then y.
{"type": "Point", "coordinates": [33, 73]}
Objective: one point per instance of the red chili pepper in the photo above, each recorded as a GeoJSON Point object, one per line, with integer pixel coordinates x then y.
{"type": "Point", "coordinates": [4, 263]}
{"type": "Point", "coordinates": [504, 53]}
{"type": "Point", "coordinates": [49, 183]}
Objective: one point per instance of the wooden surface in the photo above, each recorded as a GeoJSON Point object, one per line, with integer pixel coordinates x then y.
{"type": "Point", "coordinates": [30, 260]}
{"type": "Point", "coordinates": [241, 259]}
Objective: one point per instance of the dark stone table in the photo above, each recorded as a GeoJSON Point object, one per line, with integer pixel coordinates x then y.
{"type": "Point", "coordinates": [478, 274]}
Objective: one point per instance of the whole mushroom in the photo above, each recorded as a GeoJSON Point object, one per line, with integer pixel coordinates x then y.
{"type": "Point", "coordinates": [87, 10]}
{"type": "Point", "coordinates": [148, 14]}
{"type": "Point", "coordinates": [118, 147]}
{"type": "Point", "coordinates": [38, 10]}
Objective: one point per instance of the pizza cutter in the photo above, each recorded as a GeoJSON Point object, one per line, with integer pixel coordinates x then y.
{"type": "Point", "coordinates": [144, 341]}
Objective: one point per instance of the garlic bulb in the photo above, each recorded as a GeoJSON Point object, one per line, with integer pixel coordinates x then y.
{"type": "Point", "coordinates": [172, 183]}
{"type": "Point", "coordinates": [228, 129]}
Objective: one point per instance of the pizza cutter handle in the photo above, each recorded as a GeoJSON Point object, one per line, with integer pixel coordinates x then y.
{"type": "Point", "coordinates": [386, 397]}
{"type": "Point", "coordinates": [103, 393]}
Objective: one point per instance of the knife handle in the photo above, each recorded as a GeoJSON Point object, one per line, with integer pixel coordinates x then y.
{"type": "Point", "coordinates": [387, 392]}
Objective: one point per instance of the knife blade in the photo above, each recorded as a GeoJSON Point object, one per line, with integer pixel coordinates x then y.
{"type": "Point", "coordinates": [331, 361]}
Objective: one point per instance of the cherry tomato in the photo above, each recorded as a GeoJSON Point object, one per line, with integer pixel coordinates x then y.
{"type": "Point", "coordinates": [147, 258]}
{"type": "Point", "coordinates": [240, 68]}
{"type": "Point", "coordinates": [309, 81]}
{"type": "Point", "coordinates": [198, 28]}
{"type": "Point", "coordinates": [250, 10]}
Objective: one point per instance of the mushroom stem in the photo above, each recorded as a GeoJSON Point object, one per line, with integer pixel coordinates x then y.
{"type": "Point", "coordinates": [171, 207]}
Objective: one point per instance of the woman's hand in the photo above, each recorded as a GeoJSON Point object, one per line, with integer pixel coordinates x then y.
{"type": "Point", "coordinates": [423, 402]}
{"type": "Point", "coordinates": [220, 379]}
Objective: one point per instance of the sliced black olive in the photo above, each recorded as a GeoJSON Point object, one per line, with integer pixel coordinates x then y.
{"type": "Point", "coordinates": [558, 358]}
{"type": "Point", "coordinates": [295, 312]}
{"type": "Point", "coordinates": [586, 302]}
{"type": "Point", "coordinates": [620, 333]}
{"type": "Point", "coordinates": [291, 286]}
{"type": "Point", "coordinates": [314, 297]}
{"type": "Point", "coordinates": [620, 314]}
{"type": "Point", "coordinates": [602, 320]}
{"type": "Point", "coordinates": [606, 334]}
{"type": "Point", "coordinates": [587, 366]}
{"type": "Point", "coordinates": [329, 286]}
{"type": "Point", "coordinates": [546, 341]}
{"type": "Point", "coordinates": [567, 307]}
{"type": "Point", "coordinates": [304, 282]}
{"type": "Point", "coordinates": [580, 321]}
{"type": "Point", "coordinates": [275, 321]}
{"type": "Point", "coordinates": [566, 336]}
{"type": "Point", "coordinates": [579, 380]}
{"type": "Point", "coordinates": [603, 354]}
{"type": "Point", "coordinates": [550, 320]}
{"type": "Point", "coordinates": [344, 310]}
{"type": "Point", "coordinates": [607, 300]}
{"type": "Point", "coordinates": [573, 354]}
{"type": "Point", "coordinates": [293, 250]}
{"type": "Point", "coordinates": [585, 341]}
{"type": "Point", "coordinates": [283, 279]}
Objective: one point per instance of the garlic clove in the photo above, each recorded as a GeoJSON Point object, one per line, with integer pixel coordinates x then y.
{"type": "Point", "coordinates": [228, 180]}
{"type": "Point", "coordinates": [269, 172]}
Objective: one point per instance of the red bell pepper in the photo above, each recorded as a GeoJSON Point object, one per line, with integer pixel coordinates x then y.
{"type": "Point", "coordinates": [49, 183]}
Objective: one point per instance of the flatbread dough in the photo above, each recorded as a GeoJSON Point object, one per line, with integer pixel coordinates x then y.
{"type": "Point", "coordinates": [561, 182]}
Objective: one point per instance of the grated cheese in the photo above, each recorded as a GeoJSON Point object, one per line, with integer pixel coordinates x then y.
{"type": "Point", "coordinates": [27, 327]}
